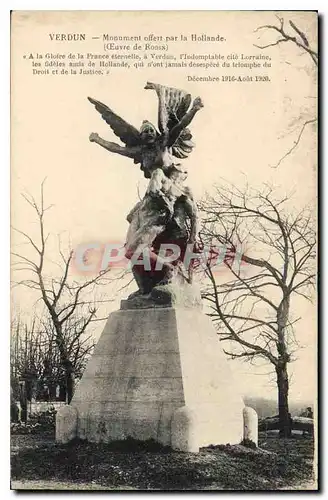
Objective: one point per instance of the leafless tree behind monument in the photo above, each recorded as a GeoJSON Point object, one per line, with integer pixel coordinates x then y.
{"type": "Point", "coordinates": [63, 296]}
{"type": "Point", "coordinates": [253, 309]}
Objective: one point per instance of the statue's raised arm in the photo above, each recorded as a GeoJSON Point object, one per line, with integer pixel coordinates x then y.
{"type": "Point", "coordinates": [174, 116]}
{"type": "Point", "coordinates": [128, 134]}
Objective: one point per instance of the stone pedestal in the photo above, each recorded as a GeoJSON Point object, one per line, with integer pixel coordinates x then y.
{"type": "Point", "coordinates": [158, 373]}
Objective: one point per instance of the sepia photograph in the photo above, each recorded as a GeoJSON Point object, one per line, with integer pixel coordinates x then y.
{"type": "Point", "coordinates": [164, 185]}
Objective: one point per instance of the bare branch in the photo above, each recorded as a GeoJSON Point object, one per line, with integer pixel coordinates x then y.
{"type": "Point", "coordinates": [69, 314]}
{"type": "Point", "coordinates": [252, 308]}
{"type": "Point", "coordinates": [28, 238]}
{"type": "Point", "coordinates": [300, 33]}
{"type": "Point", "coordinates": [296, 143]}
{"type": "Point", "coordinates": [302, 44]}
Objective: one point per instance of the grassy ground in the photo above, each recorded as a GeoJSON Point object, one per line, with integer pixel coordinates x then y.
{"type": "Point", "coordinates": [39, 463]}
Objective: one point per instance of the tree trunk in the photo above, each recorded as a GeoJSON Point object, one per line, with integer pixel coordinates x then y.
{"type": "Point", "coordinates": [66, 362]}
{"type": "Point", "coordinates": [70, 383]}
{"type": "Point", "coordinates": [284, 415]}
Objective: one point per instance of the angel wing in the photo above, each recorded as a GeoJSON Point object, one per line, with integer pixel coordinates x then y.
{"type": "Point", "coordinates": [126, 132]}
{"type": "Point", "coordinates": [173, 104]}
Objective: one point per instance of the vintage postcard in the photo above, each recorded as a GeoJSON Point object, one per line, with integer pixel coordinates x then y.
{"type": "Point", "coordinates": [164, 215]}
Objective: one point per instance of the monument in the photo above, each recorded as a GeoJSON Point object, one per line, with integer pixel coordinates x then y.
{"type": "Point", "coordinates": [158, 370]}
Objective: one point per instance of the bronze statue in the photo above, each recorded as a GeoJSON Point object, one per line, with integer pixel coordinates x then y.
{"type": "Point", "coordinates": [167, 213]}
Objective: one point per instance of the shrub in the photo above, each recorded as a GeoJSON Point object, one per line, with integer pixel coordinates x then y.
{"type": "Point", "coordinates": [38, 422]}
{"type": "Point", "coordinates": [248, 443]}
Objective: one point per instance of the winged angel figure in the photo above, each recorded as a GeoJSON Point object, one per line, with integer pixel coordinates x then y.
{"type": "Point", "coordinates": [167, 213]}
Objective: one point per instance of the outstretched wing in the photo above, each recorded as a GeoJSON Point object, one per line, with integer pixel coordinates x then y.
{"type": "Point", "coordinates": [126, 132]}
{"type": "Point", "coordinates": [183, 146]}
{"type": "Point", "coordinates": [173, 104]}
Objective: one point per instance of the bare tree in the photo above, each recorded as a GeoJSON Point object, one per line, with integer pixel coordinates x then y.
{"type": "Point", "coordinates": [294, 35]}
{"type": "Point", "coordinates": [35, 357]}
{"type": "Point", "coordinates": [253, 310]}
{"type": "Point", "coordinates": [79, 345]}
{"type": "Point", "coordinates": [27, 350]}
{"type": "Point", "coordinates": [64, 297]}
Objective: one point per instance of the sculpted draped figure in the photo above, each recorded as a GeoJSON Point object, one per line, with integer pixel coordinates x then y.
{"type": "Point", "coordinates": [168, 212]}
